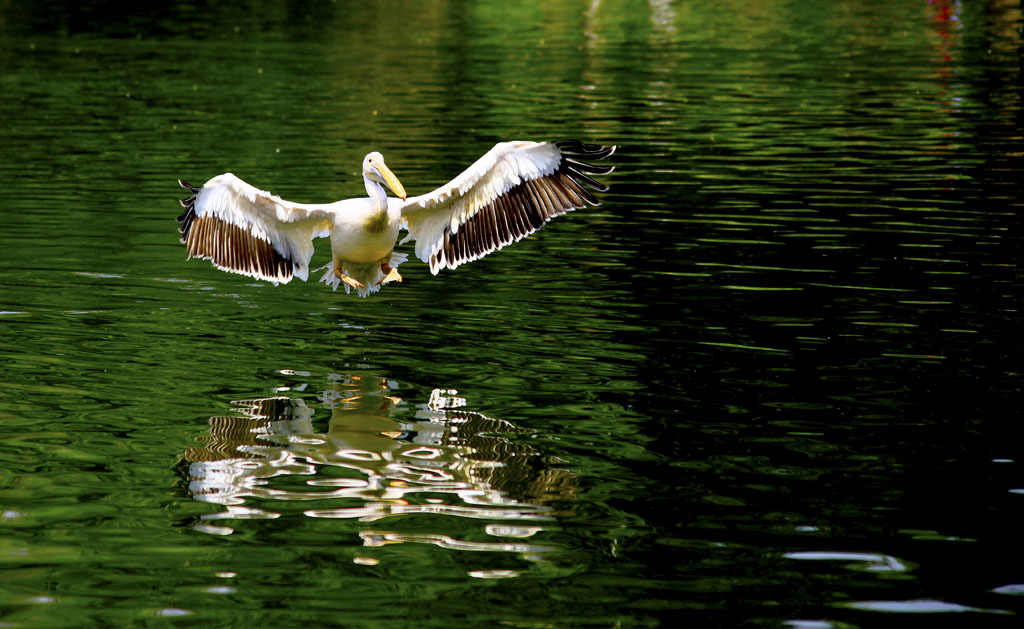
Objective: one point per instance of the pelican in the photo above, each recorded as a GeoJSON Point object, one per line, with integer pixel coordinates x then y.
{"type": "Point", "coordinates": [507, 194]}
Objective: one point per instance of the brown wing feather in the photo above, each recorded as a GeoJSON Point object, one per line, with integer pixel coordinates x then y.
{"type": "Point", "coordinates": [525, 208]}
{"type": "Point", "coordinates": [228, 246]}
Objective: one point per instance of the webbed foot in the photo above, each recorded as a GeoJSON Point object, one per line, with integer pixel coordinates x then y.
{"type": "Point", "coordinates": [348, 279]}
{"type": "Point", "coordinates": [392, 274]}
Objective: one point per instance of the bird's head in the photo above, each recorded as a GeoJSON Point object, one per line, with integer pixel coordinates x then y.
{"type": "Point", "coordinates": [375, 169]}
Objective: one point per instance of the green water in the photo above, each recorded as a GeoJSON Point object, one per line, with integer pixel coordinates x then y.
{"type": "Point", "coordinates": [771, 381]}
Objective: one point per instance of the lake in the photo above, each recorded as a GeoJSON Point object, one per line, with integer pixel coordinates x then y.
{"type": "Point", "coordinates": [770, 381]}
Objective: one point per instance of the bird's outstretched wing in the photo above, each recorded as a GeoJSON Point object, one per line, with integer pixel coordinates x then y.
{"type": "Point", "coordinates": [507, 194]}
{"type": "Point", "coordinates": [242, 229]}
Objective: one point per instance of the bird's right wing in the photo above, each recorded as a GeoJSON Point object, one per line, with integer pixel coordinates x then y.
{"type": "Point", "coordinates": [509, 193]}
{"type": "Point", "coordinates": [242, 229]}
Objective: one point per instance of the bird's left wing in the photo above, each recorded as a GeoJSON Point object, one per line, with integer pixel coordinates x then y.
{"type": "Point", "coordinates": [242, 229]}
{"type": "Point", "coordinates": [507, 194]}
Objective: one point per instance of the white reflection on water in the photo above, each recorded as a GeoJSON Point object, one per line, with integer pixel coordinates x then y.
{"type": "Point", "coordinates": [378, 459]}
{"type": "Point", "coordinates": [382, 538]}
{"type": "Point", "coordinates": [919, 607]}
{"type": "Point", "coordinates": [1016, 589]}
{"type": "Point", "coordinates": [872, 562]}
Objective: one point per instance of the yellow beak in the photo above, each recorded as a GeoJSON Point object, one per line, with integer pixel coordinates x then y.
{"type": "Point", "coordinates": [390, 180]}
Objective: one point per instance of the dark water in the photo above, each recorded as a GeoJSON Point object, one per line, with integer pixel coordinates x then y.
{"type": "Point", "coordinates": [772, 381]}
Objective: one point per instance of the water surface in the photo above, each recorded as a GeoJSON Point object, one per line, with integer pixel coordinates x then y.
{"type": "Point", "coordinates": [770, 381]}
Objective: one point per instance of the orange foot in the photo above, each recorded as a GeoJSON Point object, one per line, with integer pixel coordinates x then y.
{"type": "Point", "coordinates": [392, 274]}
{"type": "Point", "coordinates": [348, 279]}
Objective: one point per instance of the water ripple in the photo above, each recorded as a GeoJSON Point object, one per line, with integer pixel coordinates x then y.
{"type": "Point", "coordinates": [376, 462]}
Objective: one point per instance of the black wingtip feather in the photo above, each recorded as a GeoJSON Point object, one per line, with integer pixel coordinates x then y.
{"type": "Point", "coordinates": [590, 182]}
{"type": "Point", "coordinates": [185, 218]}
{"type": "Point", "coordinates": [584, 151]}
{"type": "Point", "coordinates": [590, 169]}
{"type": "Point", "coordinates": [576, 158]}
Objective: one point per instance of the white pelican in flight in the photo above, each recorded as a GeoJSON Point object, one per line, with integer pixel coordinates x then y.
{"type": "Point", "coordinates": [507, 194]}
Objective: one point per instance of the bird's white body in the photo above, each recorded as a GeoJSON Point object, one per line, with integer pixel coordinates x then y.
{"type": "Point", "coordinates": [358, 251]}
{"type": "Point", "coordinates": [507, 194]}
{"type": "Point", "coordinates": [359, 244]}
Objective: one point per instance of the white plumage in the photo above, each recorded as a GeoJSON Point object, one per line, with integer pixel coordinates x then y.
{"type": "Point", "coordinates": [505, 195]}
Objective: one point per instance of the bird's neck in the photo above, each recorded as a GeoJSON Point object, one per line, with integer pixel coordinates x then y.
{"type": "Point", "coordinates": [378, 206]}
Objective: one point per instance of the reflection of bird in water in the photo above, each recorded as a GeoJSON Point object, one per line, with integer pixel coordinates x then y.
{"type": "Point", "coordinates": [375, 460]}
{"type": "Point", "coordinates": [504, 196]}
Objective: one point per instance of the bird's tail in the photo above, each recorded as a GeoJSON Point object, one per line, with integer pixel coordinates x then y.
{"type": "Point", "coordinates": [368, 274]}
